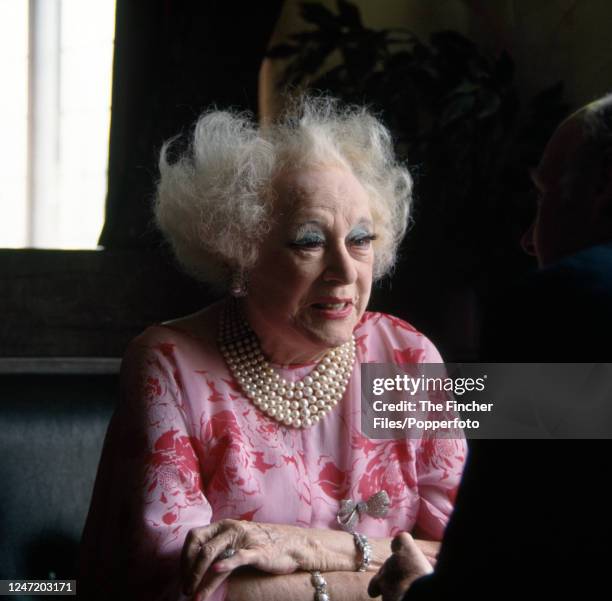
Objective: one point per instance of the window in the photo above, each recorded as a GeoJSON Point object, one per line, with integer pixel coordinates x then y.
{"type": "Point", "coordinates": [55, 118]}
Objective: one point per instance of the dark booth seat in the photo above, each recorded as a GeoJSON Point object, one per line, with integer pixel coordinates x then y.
{"type": "Point", "coordinates": [53, 418]}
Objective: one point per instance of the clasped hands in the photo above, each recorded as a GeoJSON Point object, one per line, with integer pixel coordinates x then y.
{"type": "Point", "coordinates": [283, 549]}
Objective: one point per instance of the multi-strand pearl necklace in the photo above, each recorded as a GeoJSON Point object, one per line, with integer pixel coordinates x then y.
{"type": "Point", "coordinates": [299, 404]}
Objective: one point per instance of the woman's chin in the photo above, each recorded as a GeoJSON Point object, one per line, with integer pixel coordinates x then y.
{"type": "Point", "coordinates": [329, 336]}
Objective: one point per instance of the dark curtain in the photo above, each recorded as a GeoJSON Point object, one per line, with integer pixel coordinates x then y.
{"type": "Point", "coordinates": [172, 60]}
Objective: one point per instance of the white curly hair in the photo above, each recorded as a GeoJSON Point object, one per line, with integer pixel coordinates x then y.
{"type": "Point", "coordinates": [215, 203]}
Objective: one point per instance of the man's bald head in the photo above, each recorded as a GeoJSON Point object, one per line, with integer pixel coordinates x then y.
{"type": "Point", "coordinates": [574, 182]}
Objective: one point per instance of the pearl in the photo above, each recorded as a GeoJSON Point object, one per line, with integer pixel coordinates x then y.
{"type": "Point", "coordinates": [299, 404]}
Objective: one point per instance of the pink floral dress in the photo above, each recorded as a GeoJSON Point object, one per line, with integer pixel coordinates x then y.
{"type": "Point", "coordinates": [186, 447]}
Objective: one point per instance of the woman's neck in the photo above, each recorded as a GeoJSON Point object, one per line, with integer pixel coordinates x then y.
{"type": "Point", "coordinates": [280, 348]}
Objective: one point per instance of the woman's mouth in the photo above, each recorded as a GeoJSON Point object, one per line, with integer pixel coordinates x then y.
{"type": "Point", "coordinates": [332, 306]}
{"type": "Point", "coordinates": [333, 310]}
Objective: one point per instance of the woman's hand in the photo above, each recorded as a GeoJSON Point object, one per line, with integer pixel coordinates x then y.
{"type": "Point", "coordinates": [271, 548]}
{"type": "Point", "coordinates": [406, 564]}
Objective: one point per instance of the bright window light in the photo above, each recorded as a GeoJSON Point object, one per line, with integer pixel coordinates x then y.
{"type": "Point", "coordinates": [13, 122]}
{"type": "Point", "coordinates": [56, 122]}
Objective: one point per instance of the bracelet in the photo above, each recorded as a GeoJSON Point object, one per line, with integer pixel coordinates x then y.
{"type": "Point", "coordinates": [320, 586]}
{"type": "Point", "coordinates": [365, 551]}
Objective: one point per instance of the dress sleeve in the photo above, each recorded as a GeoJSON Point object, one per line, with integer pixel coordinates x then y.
{"type": "Point", "coordinates": [440, 462]}
{"type": "Point", "coordinates": [439, 466]}
{"type": "Point", "coordinates": [149, 491]}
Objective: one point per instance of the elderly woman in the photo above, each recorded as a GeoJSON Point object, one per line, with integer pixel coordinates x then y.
{"type": "Point", "coordinates": [238, 435]}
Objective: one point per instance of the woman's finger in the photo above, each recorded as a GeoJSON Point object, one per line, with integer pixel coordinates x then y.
{"type": "Point", "coordinates": [242, 557]}
{"type": "Point", "coordinates": [192, 546]}
{"type": "Point", "coordinates": [257, 558]}
{"type": "Point", "coordinates": [209, 584]}
{"type": "Point", "coordinates": [207, 554]}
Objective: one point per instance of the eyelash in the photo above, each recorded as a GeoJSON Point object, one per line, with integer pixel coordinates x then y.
{"type": "Point", "coordinates": [359, 240]}
{"type": "Point", "coordinates": [308, 242]}
{"type": "Point", "coordinates": [311, 243]}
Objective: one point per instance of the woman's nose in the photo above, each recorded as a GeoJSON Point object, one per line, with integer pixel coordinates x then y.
{"type": "Point", "coordinates": [340, 267]}
{"type": "Point", "coordinates": [527, 242]}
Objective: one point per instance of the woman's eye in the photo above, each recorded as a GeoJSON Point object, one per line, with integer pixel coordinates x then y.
{"type": "Point", "coordinates": [308, 242]}
{"type": "Point", "coordinates": [362, 241]}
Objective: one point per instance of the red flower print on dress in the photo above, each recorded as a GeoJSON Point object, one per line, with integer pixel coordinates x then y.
{"type": "Point", "coordinates": [372, 316]}
{"type": "Point", "coordinates": [151, 389]}
{"type": "Point", "coordinates": [227, 447]}
{"type": "Point", "coordinates": [166, 349]}
{"type": "Point", "coordinates": [233, 385]}
{"type": "Point", "coordinates": [363, 443]}
{"type": "Point", "coordinates": [267, 430]}
{"type": "Point", "coordinates": [215, 396]}
{"type": "Point", "coordinates": [409, 355]}
{"type": "Point", "coordinates": [175, 463]}
{"type": "Point", "coordinates": [172, 474]}
{"type": "Point", "coordinates": [360, 343]}
{"type": "Point", "coordinates": [260, 464]}
{"type": "Point", "coordinates": [401, 324]}
{"type": "Point", "coordinates": [386, 471]}
{"type": "Point", "coordinates": [333, 481]}
{"type": "Point", "coordinates": [444, 454]}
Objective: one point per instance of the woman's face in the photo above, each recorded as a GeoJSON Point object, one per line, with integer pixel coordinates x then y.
{"type": "Point", "coordinates": [312, 282]}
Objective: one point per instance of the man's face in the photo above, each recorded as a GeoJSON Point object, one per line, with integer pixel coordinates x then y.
{"type": "Point", "coordinates": [563, 224]}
